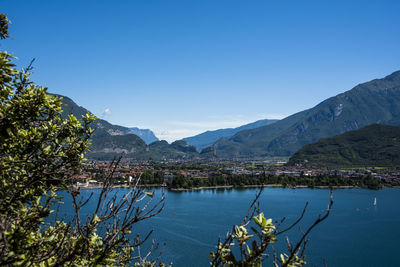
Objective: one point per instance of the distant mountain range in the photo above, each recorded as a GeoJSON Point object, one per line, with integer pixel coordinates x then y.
{"type": "Point", "coordinates": [375, 145]}
{"type": "Point", "coordinates": [145, 134]}
{"type": "Point", "coordinates": [377, 101]}
{"type": "Point", "coordinates": [132, 147]}
{"type": "Point", "coordinates": [111, 141]}
{"type": "Point", "coordinates": [206, 139]}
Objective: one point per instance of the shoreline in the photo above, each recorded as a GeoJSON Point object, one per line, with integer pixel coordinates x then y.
{"type": "Point", "coordinates": [240, 187]}
{"type": "Point", "coordinates": [266, 186]}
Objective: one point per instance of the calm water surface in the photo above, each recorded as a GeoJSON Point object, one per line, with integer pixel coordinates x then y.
{"type": "Point", "coordinates": [355, 234]}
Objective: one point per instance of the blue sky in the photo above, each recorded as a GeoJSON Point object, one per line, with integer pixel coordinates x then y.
{"type": "Point", "coordinates": [183, 67]}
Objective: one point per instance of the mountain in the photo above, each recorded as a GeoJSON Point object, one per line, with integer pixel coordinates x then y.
{"type": "Point", "coordinates": [373, 145]}
{"type": "Point", "coordinates": [102, 127]}
{"type": "Point", "coordinates": [161, 150]}
{"type": "Point", "coordinates": [132, 147]}
{"type": "Point", "coordinates": [108, 147]}
{"type": "Point", "coordinates": [147, 135]}
{"type": "Point", "coordinates": [110, 141]}
{"type": "Point", "coordinates": [206, 139]}
{"type": "Point", "coordinates": [377, 101]}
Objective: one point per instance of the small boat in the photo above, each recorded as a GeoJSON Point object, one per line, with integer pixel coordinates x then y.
{"type": "Point", "coordinates": [374, 201]}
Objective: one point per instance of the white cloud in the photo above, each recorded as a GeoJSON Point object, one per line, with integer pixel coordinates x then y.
{"type": "Point", "coordinates": [177, 129]}
{"type": "Point", "coordinates": [172, 130]}
{"type": "Point", "coordinates": [175, 134]}
{"type": "Point", "coordinates": [272, 116]}
{"type": "Point", "coordinates": [260, 116]}
{"type": "Point", "coordinates": [210, 125]}
{"type": "Point", "coordinates": [220, 122]}
{"type": "Point", "coordinates": [106, 112]}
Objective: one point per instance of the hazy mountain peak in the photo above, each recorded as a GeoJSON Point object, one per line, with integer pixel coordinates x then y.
{"type": "Point", "coordinates": [207, 138]}
{"type": "Point", "coordinates": [147, 135]}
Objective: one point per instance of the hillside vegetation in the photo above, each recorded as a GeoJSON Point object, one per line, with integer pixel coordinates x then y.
{"type": "Point", "coordinates": [373, 145]}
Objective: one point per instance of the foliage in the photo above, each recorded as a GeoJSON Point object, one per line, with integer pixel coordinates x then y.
{"type": "Point", "coordinates": [265, 233]}
{"type": "Point", "coordinates": [40, 152]}
{"type": "Point", "coordinates": [364, 181]}
{"type": "Point", "coordinates": [3, 26]}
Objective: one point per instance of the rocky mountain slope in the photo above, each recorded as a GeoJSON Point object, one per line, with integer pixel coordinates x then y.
{"type": "Point", "coordinates": [377, 101]}
{"type": "Point", "coordinates": [110, 141]}
{"type": "Point", "coordinates": [145, 134]}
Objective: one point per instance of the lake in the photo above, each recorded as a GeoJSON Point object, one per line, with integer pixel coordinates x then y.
{"type": "Point", "coordinates": [355, 234]}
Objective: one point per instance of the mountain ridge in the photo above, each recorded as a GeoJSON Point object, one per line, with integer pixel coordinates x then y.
{"type": "Point", "coordinates": [111, 141]}
{"type": "Point", "coordinates": [207, 138]}
{"type": "Point", "coordinates": [376, 101]}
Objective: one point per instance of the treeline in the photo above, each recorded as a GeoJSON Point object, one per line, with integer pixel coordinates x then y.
{"type": "Point", "coordinates": [181, 182]}
{"type": "Point", "coordinates": [151, 178]}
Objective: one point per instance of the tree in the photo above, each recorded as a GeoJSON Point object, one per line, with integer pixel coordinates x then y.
{"type": "Point", "coordinates": [41, 152]}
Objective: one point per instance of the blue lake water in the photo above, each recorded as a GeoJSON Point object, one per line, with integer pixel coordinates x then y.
{"type": "Point", "coordinates": [355, 234]}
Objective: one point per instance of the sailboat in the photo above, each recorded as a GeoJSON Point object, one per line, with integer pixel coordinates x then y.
{"type": "Point", "coordinates": [375, 201]}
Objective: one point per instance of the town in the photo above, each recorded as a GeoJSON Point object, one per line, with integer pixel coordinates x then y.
{"type": "Point", "coordinates": [237, 173]}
